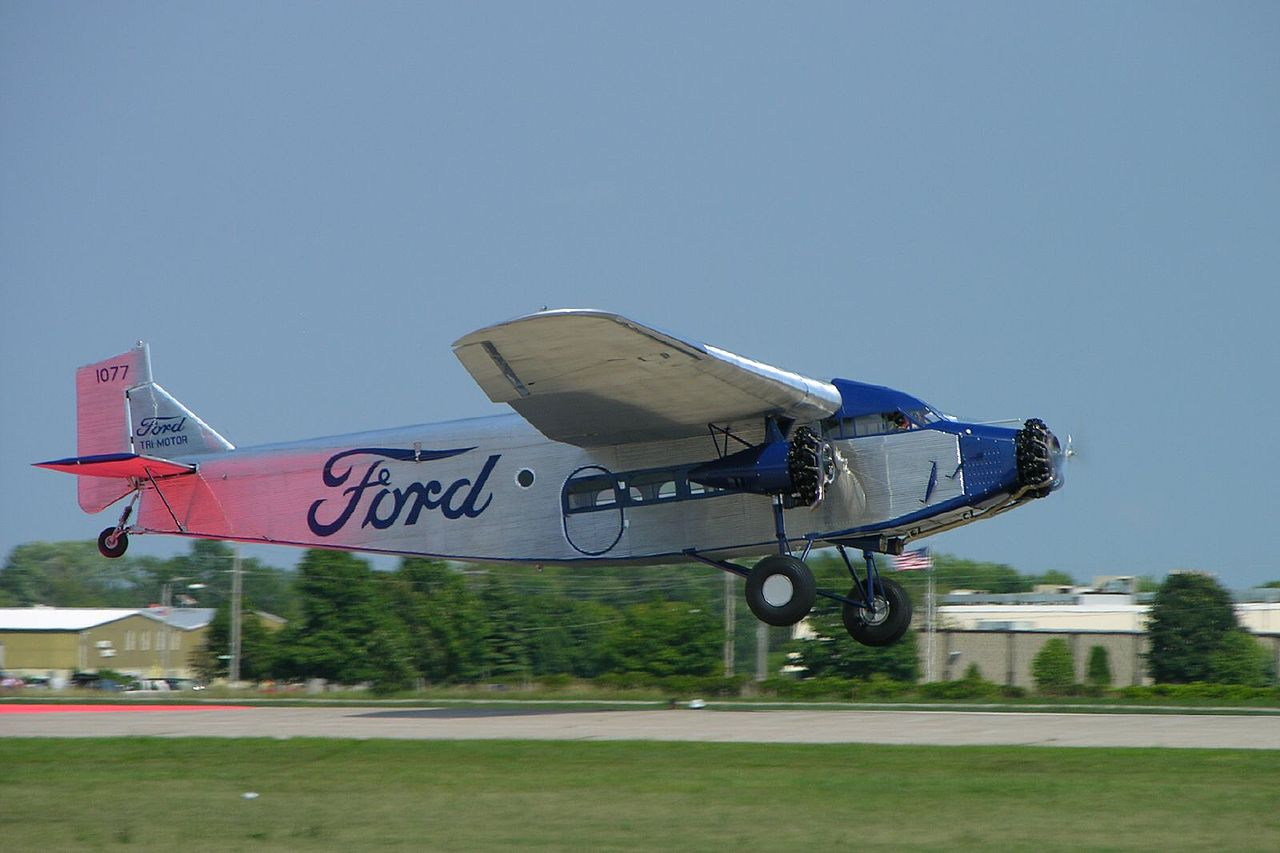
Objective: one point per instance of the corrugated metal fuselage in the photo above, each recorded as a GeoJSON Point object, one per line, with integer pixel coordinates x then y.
{"type": "Point", "coordinates": [495, 489]}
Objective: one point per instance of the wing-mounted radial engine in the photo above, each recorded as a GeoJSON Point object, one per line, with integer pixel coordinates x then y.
{"type": "Point", "coordinates": [798, 470]}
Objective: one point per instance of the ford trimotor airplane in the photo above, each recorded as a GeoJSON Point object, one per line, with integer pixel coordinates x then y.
{"type": "Point", "coordinates": [627, 445]}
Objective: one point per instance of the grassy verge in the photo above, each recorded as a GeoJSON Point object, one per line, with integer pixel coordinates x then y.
{"type": "Point", "coordinates": [738, 692]}
{"type": "Point", "coordinates": [315, 794]}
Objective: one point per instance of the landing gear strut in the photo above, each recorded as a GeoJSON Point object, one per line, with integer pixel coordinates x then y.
{"type": "Point", "coordinates": [114, 541]}
{"type": "Point", "coordinates": [878, 612]}
{"type": "Point", "coordinates": [781, 591]}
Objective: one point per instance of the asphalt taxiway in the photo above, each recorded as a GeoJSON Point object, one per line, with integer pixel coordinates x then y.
{"type": "Point", "coordinates": [942, 728]}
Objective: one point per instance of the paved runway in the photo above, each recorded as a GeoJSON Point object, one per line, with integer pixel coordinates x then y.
{"type": "Point", "coordinates": [899, 727]}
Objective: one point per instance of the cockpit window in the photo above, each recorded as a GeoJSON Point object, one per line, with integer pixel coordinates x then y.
{"type": "Point", "coordinates": [881, 423]}
{"type": "Point", "coordinates": [924, 416]}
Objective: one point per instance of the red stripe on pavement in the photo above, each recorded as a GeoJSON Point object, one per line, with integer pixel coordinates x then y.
{"type": "Point", "coordinates": [98, 709]}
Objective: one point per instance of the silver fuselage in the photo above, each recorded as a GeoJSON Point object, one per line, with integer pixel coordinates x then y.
{"type": "Point", "coordinates": [495, 489]}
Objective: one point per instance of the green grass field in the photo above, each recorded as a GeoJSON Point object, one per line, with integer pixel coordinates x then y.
{"type": "Point", "coordinates": [160, 793]}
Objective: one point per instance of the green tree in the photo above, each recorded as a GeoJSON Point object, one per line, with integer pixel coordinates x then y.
{"type": "Point", "coordinates": [569, 637]}
{"type": "Point", "coordinates": [445, 620]}
{"type": "Point", "coordinates": [1190, 617]}
{"type": "Point", "coordinates": [832, 652]}
{"type": "Point", "coordinates": [1053, 667]}
{"type": "Point", "coordinates": [1053, 577]}
{"type": "Point", "coordinates": [346, 632]}
{"type": "Point", "coordinates": [73, 574]}
{"type": "Point", "coordinates": [837, 654]}
{"type": "Point", "coordinates": [210, 562]}
{"type": "Point", "coordinates": [505, 642]}
{"type": "Point", "coordinates": [662, 638]}
{"type": "Point", "coordinates": [1241, 659]}
{"type": "Point", "coordinates": [1099, 667]}
{"type": "Point", "coordinates": [257, 647]}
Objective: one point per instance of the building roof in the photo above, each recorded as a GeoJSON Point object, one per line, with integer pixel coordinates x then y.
{"type": "Point", "coordinates": [185, 618]}
{"type": "Point", "coordinates": [83, 618]}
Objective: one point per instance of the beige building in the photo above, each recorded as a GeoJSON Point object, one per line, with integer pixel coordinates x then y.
{"type": "Point", "coordinates": [59, 641]}
{"type": "Point", "coordinates": [1075, 612]}
{"type": "Point", "coordinates": [1003, 633]}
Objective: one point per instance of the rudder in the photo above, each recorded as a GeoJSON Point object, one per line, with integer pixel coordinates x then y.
{"type": "Point", "coordinates": [120, 409]}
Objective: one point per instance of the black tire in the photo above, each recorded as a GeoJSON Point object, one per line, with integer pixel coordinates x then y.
{"type": "Point", "coordinates": [113, 551]}
{"type": "Point", "coordinates": [888, 623]}
{"type": "Point", "coordinates": [781, 590]}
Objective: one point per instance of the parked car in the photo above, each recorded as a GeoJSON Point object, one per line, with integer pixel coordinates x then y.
{"type": "Point", "coordinates": [96, 681]}
{"type": "Point", "coordinates": [150, 685]}
{"type": "Point", "coordinates": [185, 684]}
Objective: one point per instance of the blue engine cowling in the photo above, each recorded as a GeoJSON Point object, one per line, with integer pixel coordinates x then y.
{"type": "Point", "coordinates": [795, 469]}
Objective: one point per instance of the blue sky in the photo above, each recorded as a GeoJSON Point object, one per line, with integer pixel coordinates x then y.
{"type": "Point", "coordinates": [1058, 210]}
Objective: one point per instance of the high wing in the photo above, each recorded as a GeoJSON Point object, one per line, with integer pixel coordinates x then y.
{"type": "Point", "coordinates": [592, 378]}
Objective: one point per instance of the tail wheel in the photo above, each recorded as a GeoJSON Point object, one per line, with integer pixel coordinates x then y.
{"type": "Point", "coordinates": [781, 590]}
{"type": "Point", "coordinates": [884, 623]}
{"type": "Point", "coordinates": [113, 542]}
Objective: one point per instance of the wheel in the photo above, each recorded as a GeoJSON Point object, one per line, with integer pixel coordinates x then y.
{"type": "Point", "coordinates": [781, 590]}
{"type": "Point", "coordinates": [886, 622]}
{"type": "Point", "coordinates": [112, 544]}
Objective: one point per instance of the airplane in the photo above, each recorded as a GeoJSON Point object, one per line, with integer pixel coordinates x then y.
{"type": "Point", "coordinates": [627, 445]}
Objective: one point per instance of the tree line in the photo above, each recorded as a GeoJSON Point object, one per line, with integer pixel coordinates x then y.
{"type": "Point", "coordinates": [433, 622]}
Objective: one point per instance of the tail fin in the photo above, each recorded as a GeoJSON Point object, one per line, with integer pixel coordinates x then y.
{"type": "Point", "coordinates": [120, 410]}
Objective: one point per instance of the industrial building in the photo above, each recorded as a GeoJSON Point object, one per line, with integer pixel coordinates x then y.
{"type": "Point", "coordinates": [55, 642]}
{"type": "Point", "coordinates": [1002, 634]}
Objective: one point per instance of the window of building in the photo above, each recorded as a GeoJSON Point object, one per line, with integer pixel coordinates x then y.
{"type": "Point", "coordinates": [160, 639]}
{"type": "Point", "coordinates": [146, 641]}
{"type": "Point", "coordinates": [130, 641]}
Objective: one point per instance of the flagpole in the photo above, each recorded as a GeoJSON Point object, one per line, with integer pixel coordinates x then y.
{"type": "Point", "coordinates": [930, 616]}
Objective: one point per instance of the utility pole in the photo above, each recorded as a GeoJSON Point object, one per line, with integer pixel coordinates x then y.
{"type": "Point", "coordinates": [730, 600]}
{"type": "Point", "coordinates": [762, 651]}
{"type": "Point", "coordinates": [233, 674]}
{"type": "Point", "coordinates": [931, 618]}
{"type": "Point", "coordinates": [166, 599]}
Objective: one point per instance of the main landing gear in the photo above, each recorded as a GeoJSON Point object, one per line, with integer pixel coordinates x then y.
{"type": "Point", "coordinates": [781, 590]}
{"type": "Point", "coordinates": [114, 541]}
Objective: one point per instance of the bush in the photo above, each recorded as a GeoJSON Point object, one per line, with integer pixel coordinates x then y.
{"type": "Point", "coordinates": [1241, 659]}
{"type": "Point", "coordinates": [1054, 668]}
{"type": "Point", "coordinates": [1201, 690]}
{"type": "Point", "coordinates": [881, 686]}
{"type": "Point", "coordinates": [964, 689]}
{"type": "Point", "coordinates": [828, 687]}
{"type": "Point", "coordinates": [1099, 670]}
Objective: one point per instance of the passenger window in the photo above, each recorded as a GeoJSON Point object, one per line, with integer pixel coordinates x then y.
{"type": "Point", "coordinates": [652, 486]}
{"type": "Point", "coordinates": [698, 490]}
{"type": "Point", "coordinates": [591, 492]}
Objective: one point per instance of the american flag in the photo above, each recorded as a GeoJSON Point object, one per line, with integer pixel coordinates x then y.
{"type": "Point", "coordinates": [917, 559]}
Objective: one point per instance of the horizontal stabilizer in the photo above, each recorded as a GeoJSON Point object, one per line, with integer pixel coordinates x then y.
{"type": "Point", "coordinates": [118, 465]}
